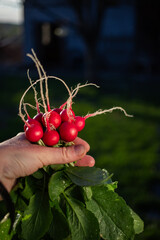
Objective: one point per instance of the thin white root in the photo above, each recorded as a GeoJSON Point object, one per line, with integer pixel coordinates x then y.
{"type": "Point", "coordinates": [61, 80]}
{"type": "Point", "coordinates": [29, 105]}
{"type": "Point", "coordinates": [35, 92]}
{"type": "Point", "coordinates": [69, 101]}
{"type": "Point", "coordinates": [40, 76]}
{"type": "Point", "coordinates": [46, 78]}
{"type": "Point", "coordinates": [99, 112]}
{"type": "Point", "coordinates": [25, 109]}
{"type": "Point", "coordinates": [22, 99]}
{"type": "Point", "coordinates": [45, 99]}
{"type": "Point", "coordinates": [75, 90]}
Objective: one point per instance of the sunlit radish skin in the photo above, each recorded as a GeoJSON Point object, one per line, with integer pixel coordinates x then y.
{"type": "Point", "coordinates": [54, 119]}
{"type": "Point", "coordinates": [65, 116]}
{"type": "Point", "coordinates": [68, 132]}
{"type": "Point", "coordinates": [34, 133]}
{"type": "Point", "coordinates": [79, 123]}
{"type": "Point", "coordinates": [31, 121]}
{"type": "Point", "coordinates": [50, 138]}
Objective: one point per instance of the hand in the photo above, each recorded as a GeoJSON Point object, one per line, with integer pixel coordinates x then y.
{"type": "Point", "coordinates": [19, 158]}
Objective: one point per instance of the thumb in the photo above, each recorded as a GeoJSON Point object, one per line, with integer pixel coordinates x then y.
{"type": "Point", "coordinates": [62, 155]}
{"type": "Point", "coordinates": [34, 157]}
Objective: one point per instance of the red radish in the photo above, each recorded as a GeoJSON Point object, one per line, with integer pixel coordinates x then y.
{"type": "Point", "coordinates": [79, 123]}
{"type": "Point", "coordinates": [65, 117]}
{"type": "Point", "coordinates": [34, 132]}
{"type": "Point", "coordinates": [58, 110]}
{"type": "Point", "coordinates": [50, 138]}
{"type": "Point", "coordinates": [68, 131]}
{"type": "Point", "coordinates": [54, 119]}
{"type": "Point", "coordinates": [38, 117]}
{"type": "Point", "coordinates": [31, 121]}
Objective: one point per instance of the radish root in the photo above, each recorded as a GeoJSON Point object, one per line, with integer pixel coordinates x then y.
{"type": "Point", "coordinates": [22, 99]}
{"type": "Point", "coordinates": [35, 92]}
{"type": "Point", "coordinates": [46, 79]}
{"type": "Point", "coordinates": [45, 98]}
{"type": "Point", "coordinates": [41, 84]}
{"type": "Point", "coordinates": [100, 111]}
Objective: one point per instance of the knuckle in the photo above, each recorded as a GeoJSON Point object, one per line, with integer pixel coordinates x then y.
{"type": "Point", "coordinates": [65, 154]}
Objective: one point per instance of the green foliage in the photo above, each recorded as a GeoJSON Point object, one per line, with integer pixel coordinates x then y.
{"type": "Point", "coordinates": [37, 217]}
{"type": "Point", "coordinates": [112, 213]}
{"type": "Point", "coordinates": [4, 229]}
{"type": "Point", "coordinates": [57, 184]}
{"type": "Point", "coordinates": [138, 224]}
{"type": "Point", "coordinates": [59, 227]}
{"type": "Point", "coordinates": [87, 176]}
{"type": "Point", "coordinates": [83, 224]}
{"type": "Point", "coordinates": [69, 204]}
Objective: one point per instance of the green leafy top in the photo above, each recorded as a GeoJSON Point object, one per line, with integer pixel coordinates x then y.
{"type": "Point", "coordinates": [71, 203]}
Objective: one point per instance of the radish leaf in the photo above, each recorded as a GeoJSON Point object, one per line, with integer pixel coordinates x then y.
{"type": "Point", "coordinates": [115, 219]}
{"type": "Point", "coordinates": [87, 176]}
{"type": "Point", "coordinates": [59, 228]}
{"type": "Point", "coordinates": [37, 217]}
{"type": "Point", "coordinates": [138, 223]}
{"type": "Point", "coordinates": [57, 184]}
{"type": "Point", "coordinates": [29, 188]}
{"type": "Point", "coordinates": [83, 224]}
{"type": "Point", "coordinates": [4, 228]}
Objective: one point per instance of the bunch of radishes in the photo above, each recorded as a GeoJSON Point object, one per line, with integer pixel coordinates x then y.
{"type": "Point", "coordinates": [53, 126]}
{"type": "Point", "coordinates": [57, 125]}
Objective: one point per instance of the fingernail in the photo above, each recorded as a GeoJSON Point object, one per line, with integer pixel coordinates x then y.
{"type": "Point", "coordinates": [79, 150]}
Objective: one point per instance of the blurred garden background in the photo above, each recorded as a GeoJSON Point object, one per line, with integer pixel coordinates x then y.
{"type": "Point", "coordinates": [113, 43]}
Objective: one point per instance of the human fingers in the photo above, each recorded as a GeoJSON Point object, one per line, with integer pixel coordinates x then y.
{"type": "Point", "coordinates": [66, 153]}
{"type": "Point", "coordinates": [28, 158]}
{"type": "Point", "coordinates": [83, 142]}
{"type": "Point", "coordinates": [20, 137]}
{"type": "Point", "coordinates": [86, 161]}
{"type": "Point", "coordinates": [61, 155]}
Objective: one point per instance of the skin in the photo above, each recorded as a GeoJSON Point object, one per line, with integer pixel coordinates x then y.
{"type": "Point", "coordinates": [20, 158]}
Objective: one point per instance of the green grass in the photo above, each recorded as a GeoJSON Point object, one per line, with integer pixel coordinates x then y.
{"type": "Point", "coordinates": [127, 147]}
